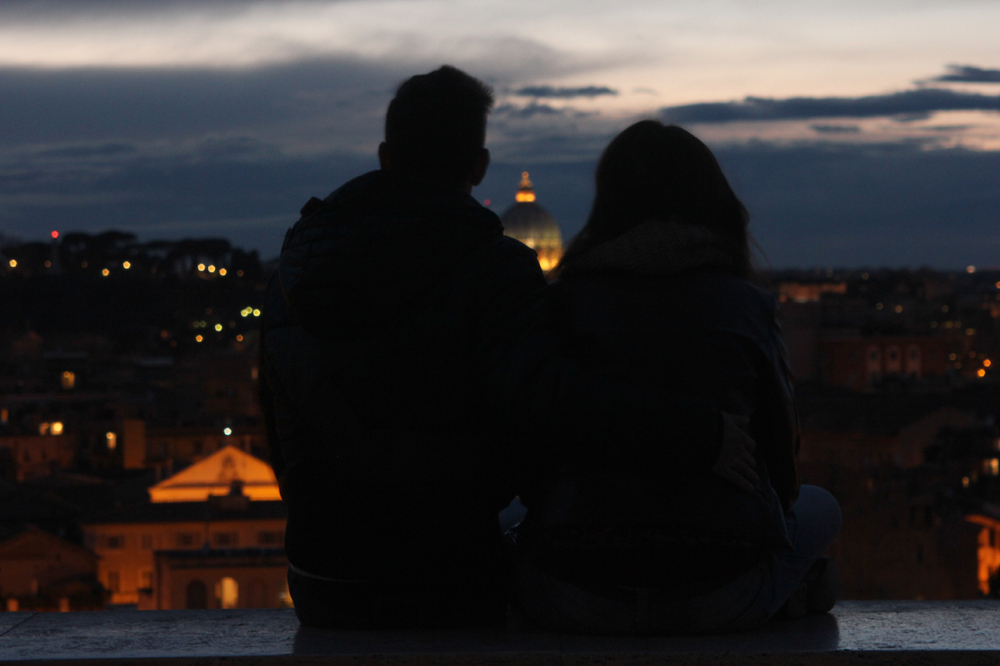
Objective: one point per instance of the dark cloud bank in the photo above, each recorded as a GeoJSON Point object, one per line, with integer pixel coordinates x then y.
{"type": "Point", "coordinates": [969, 74]}
{"type": "Point", "coordinates": [198, 154]}
{"type": "Point", "coordinates": [565, 93]}
{"type": "Point", "coordinates": [912, 103]}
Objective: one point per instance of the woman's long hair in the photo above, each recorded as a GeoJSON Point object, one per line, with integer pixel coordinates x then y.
{"type": "Point", "coordinates": [653, 171]}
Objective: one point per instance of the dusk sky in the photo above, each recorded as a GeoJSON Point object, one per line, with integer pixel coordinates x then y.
{"type": "Point", "coordinates": [858, 133]}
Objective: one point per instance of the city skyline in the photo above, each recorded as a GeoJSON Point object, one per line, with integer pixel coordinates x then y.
{"type": "Point", "coordinates": [862, 134]}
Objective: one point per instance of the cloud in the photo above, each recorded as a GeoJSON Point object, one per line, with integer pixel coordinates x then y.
{"type": "Point", "coordinates": [906, 103]}
{"type": "Point", "coordinates": [969, 74]}
{"type": "Point", "coordinates": [565, 93]}
{"type": "Point", "coordinates": [836, 129]}
{"type": "Point", "coordinates": [533, 109]}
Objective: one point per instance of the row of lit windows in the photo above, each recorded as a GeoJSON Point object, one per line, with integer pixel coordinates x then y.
{"type": "Point", "coordinates": [274, 538]}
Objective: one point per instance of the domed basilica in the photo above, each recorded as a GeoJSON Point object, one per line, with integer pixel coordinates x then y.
{"type": "Point", "coordinates": [531, 224]}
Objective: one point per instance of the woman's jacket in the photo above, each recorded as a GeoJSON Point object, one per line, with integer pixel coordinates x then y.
{"type": "Point", "coordinates": [658, 307]}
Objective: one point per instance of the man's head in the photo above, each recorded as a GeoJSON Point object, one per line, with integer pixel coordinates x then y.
{"type": "Point", "coordinates": [436, 127]}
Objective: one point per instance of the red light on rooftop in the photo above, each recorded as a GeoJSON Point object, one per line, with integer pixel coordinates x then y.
{"type": "Point", "coordinates": [55, 234]}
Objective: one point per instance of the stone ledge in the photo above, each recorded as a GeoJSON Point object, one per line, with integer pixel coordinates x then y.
{"type": "Point", "coordinates": [859, 632]}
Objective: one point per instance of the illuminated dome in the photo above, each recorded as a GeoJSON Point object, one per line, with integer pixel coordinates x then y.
{"type": "Point", "coordinates": [534, 226]}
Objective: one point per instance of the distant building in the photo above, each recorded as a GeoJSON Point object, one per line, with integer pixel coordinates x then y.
{"type": "Point", "coordinates": [531, 224]}
{"type": "Point", "coordinates": [201, 540]}
{"type": "Point", "coordinates": [215, 476]}
{"type": "Point", "coordinates": [40, 571]}
{"type": "Point", "coordinates": [860, 363]}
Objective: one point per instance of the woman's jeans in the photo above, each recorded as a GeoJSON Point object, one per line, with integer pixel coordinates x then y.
{"type": "Point", "coordinates": [744, 603]}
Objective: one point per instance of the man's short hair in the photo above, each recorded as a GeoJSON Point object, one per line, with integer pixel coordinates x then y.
{"type": "Point", "coordinates": [436, 124]}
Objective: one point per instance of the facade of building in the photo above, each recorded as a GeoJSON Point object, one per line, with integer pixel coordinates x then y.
{"type": "Point", "coordinates": [860, 363]}
{"type": "Point", "coordinates": [40, 571]}
{"type": "Point", "coordinates": [221, 516]}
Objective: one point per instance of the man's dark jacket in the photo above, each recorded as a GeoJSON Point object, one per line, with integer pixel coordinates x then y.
{"type": "Point", "coordinates": [402, 351]}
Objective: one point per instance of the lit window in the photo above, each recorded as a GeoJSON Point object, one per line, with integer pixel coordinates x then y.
{"type": "Point", "coordinates": [43, 428]}
{"type": "Point", "coordinates": [112, 440]}
{"type": "Point", "coordinates": [227, 592]}
{"type": "Point", "coordinates": [68, 380]}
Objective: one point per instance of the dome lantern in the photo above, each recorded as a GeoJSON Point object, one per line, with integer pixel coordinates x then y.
{"type": "Point", "coordinates": [531, 224]}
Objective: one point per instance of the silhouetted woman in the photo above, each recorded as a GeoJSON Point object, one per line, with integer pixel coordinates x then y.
{"type": "Point", "coordinates": [657, 288]}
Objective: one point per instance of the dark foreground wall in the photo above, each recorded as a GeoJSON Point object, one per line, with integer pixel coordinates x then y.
{"type": "Point", "coordinates": [867, 633]}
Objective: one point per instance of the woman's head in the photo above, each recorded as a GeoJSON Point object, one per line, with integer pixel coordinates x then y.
{"type": "Point", "coordinates": [658, 172]}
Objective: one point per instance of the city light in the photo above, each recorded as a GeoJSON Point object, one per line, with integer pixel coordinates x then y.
{"type": "Point", "coordinates": [83, 264]}
{"type": "Point", "coordinates": [218, 327]}
{"type": "Point", "coordinates": [211, 269]}
{"type": "Point", "coordinates": [105, 272]}
{"type": "Point", "coordinates": [55, 235]}
{"type": "Point", "coordinates": [980, 372]}
{"type": "Point", "coordinates": [43, 428]}
{"type": "Point", "coordinates": [48, 264]}
{"type": "Point", "coordinates": [239, 338]}
{"type": "Point", "coordinates": [112, 440]}
{"type": "Point", "coordinates": [987, 363]}
{"type": "Point", "coordinates": [878, 306]}
{"type": "Point", "coordinates": [68, 380]}
{"type": "Point", "coordinates": [256, 313]}
{"type": "Point", "coordinates": [227, 431]}
{"type": "Point", "coordinates": [126, 265]}
{"type": "Point", "coordinates": [970, 269]}
{"type": "Point", "coordinates": [239, 273]}
{"type": "Point", "coordinates": [201, 267]}
{"type": "Point", "coordinates": [57, 428]}
{"type": "Point", "coordinates": [198, 338]}
{"type": "Point", "coordinates": [13, 263]}
{"type": "Point", "coordinates": [222, 272]}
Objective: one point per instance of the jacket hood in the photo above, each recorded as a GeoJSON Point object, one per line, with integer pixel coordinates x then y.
{"type": "Point", "coordinates": [358, 260]}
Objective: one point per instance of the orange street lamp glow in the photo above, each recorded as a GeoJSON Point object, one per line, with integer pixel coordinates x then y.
{"type": "Point", "coordinates": [987, 363]}
{"type": "Point", "coordinates": [198, 338]}
{"type": "Point", "coordinates": [211, 269]}
{"type": "Point", "coordinates": [222, 272]}
{"type": "Point", "coordinates": [239, 338]}
{"type": "Point", "coordinates": [201, 267]}
{"type": "Point", "coordinates": [126, 265]}
{"type": "Point", "coordinates": [112, 440]}
{"type": "Point", "coordinates": [981, 372]}
{"type": "Point", "coordinates": [13, 263]}
{"type": "Point", "coordinates": [105, 272]}
{"type": "Point", "coordinates": [57, 428]}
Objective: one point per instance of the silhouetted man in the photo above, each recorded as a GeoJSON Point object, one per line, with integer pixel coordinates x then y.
{"type": "Point", "coordinates": [403, 352]}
